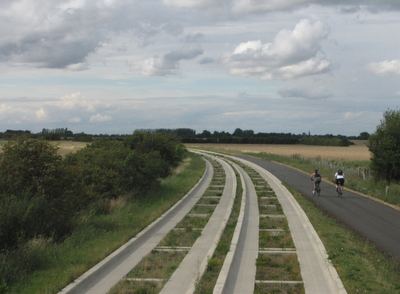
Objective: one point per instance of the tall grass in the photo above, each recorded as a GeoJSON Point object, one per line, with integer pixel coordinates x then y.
{"type": "Point", "coordinates": [96, 237]}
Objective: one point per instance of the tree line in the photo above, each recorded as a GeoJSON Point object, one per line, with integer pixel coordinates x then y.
{"type": "Point", "coordinates": [187, 135]}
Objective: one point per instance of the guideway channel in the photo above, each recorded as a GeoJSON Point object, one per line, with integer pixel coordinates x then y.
{"type": "Point", "coordinates": [239, 270]}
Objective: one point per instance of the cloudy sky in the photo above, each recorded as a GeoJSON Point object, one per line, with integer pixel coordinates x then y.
{"type": "Point", "coordinates": [113, 66]}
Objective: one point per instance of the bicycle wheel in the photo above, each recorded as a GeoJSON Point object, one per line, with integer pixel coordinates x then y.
{"type": "Point", "coordinates": [318, 190]}
{"type": "Point", "coordinates": [340, 191]}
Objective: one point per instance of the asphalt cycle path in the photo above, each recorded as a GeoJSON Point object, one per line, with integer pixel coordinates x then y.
{"type": "Point", "coordinates": [378, 222]}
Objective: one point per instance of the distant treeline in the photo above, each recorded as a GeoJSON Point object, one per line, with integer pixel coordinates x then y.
{"type": "Point", "coordinates": [240, 136]}
{"type": "Point", "coordinates": [187, 135]}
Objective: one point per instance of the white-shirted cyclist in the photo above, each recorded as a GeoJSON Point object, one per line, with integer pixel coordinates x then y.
{"type": "Point", "coordinates": [339, 178]}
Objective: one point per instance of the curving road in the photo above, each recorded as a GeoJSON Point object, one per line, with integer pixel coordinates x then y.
{"type": "Point", "coordinates": [377, 222]}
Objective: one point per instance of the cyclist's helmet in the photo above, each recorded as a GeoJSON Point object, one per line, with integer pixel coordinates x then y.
{"type": "Point", "coordinates": [316, 170]}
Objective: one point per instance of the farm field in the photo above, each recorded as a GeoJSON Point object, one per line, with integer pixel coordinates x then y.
{"type": "Point", "coordinates": [359, 151]}
{"type": "Point", "coordinates": [65, 147]}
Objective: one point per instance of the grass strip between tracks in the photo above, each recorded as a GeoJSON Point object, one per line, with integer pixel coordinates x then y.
{"type": "Point", "coordinates": [102, 234]}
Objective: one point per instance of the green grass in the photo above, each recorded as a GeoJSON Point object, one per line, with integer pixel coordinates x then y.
{"type": "Point", "coordinates": [100, 235]}
{"type": "Point", "coordinates": [279, 267]}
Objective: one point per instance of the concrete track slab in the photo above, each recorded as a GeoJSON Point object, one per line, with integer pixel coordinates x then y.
{"type": "Point", "coordinates": [244, 248]}
{"type": "Point", "coordinates": [194, 264]}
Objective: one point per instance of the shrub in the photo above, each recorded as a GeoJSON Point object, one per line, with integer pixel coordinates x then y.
{"type": "Point", "coordinates": [167, 145]}
{"type": "Point", "coordinates": [98, 167]}
{"type": "Point", "coordinates": [384, 145]}
{"type": "Point", "coordinates": [36, 192]}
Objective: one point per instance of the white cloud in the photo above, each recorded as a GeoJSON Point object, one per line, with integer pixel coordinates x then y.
{"type": "Point", "coordinates": [75, 119]}
{"type": "Point", "coordinates": [385, 68]}
{"type": "Point", "coordinates": [351, 115]}
{"type": "Point", "coordinates": [194, 3]}
{"type": "Point", "coordinates": [261, 6]}
{"type": "Point", "coordinates": [81, 66]}
{"type": "Point", "coordinates": [41, 114]}
{"type": "Point", "coordinates": [63, 34]}
{"type": "Point", "coordinates": [309, 93]}
{"type": "Point", "coordinates": [169, 63]}
{"type": "Point", "coordinates": [72, 108]}
{"type": "Point", "coordinates": [100, 118]}
{"type": "Point", "coordinates": [76, 101]}
{"type": "Point", "coordinates": [293, 54]}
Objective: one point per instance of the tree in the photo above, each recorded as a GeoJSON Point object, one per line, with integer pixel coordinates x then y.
{"type": "Point", "coordinates": [384, 146]}
{"type": "Point", "coordinates": [37, 195]}
{"type": "Point", "coordinates": [167, 145]}
{"type": "Point", "coordinates": [363, 136]}
{"type": "Point", "coordinates": [238, 133]}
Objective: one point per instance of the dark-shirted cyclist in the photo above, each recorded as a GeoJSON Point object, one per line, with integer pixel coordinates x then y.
{"type": "Point", "coordinates": [317, 179]}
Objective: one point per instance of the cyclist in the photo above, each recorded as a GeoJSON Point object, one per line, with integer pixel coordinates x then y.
{"type": "Point", "coordinates": [317, 179]}
{"type": "Point", "coordinates": [339, 178]}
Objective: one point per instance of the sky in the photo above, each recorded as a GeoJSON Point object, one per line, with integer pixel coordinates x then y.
{"type": "Point", "coordinates": [114, 66]}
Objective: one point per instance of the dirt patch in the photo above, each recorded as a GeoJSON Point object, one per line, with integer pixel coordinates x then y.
{"type": "Point", "coordinates": [354, 152]}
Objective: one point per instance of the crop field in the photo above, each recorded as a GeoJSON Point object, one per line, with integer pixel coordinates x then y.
{"type": "Point", "coordinates": [65, 147]}
{"type": "Point", "coordinates": [359, 151]}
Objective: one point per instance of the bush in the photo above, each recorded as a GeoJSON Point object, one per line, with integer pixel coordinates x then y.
{"type": "Point", "coordinates": [167, 145]}
{"type": "Point", "coordinates": [36, 193]}
{"type": "Point", "coordinates": [99, 167]}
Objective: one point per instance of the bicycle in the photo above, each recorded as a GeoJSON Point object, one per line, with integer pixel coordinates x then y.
{"type": "Point", "coordinates": [317, 188]}
{"type": "Point", "coordinates": [339, 190]}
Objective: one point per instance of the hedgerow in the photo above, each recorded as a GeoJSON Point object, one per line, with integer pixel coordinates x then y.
{"type": "Point", "coordinates": [42, 194]}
